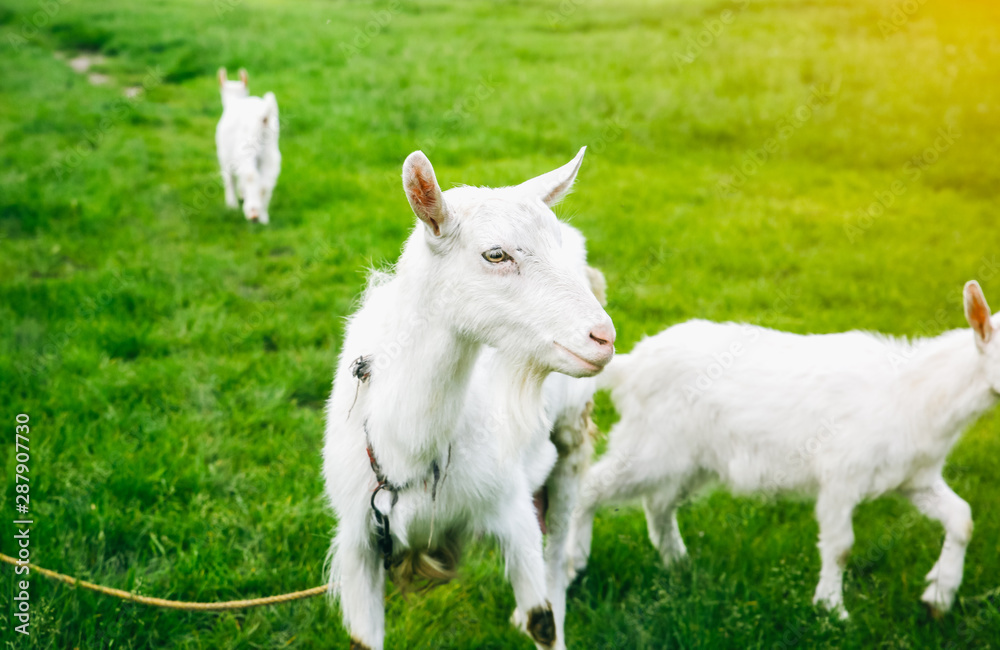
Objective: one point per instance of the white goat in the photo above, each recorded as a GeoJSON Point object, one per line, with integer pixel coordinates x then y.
{"type": "Point", "coordinates": [844, 417]}
{"type": "Point", "coordinates": [422, 436]}
{"type": "Point", "coordinates": [247, 144]}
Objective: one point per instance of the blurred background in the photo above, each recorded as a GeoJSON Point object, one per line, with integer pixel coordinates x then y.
{"type": "Point", "coordinates": [809, 165]}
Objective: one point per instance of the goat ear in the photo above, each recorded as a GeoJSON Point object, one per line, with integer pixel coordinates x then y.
{"type": "Point", "coordinates": [598, 285]}
{"type": "Point", "coordinates": [244, 77]}
{"type": "Point", "coordinates": [222, 77]}
{"type": "Point", "coordinates": [553, 186]}
{"type": "Point", "coordinates": [977, 312]}
{"type": "Point", "coordinates": [423, 192]}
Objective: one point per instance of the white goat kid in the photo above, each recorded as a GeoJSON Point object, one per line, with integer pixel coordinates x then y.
{"type": "Point", "coordinates": [845, 417]}
{"type": "Point", "coordinates": [421, 435]}
{"type": "Point", "coordinates": [247, 144]}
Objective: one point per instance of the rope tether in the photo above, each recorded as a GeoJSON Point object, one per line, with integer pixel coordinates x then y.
{"type": "Point", "coordinates": [172, 604]}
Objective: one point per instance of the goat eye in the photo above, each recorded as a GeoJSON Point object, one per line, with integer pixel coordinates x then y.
{"type": "Point", "coordinates": [495, 256]}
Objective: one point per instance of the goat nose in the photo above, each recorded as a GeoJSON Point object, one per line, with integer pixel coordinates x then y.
{"type": "Point", "coordinates": [603, 335]}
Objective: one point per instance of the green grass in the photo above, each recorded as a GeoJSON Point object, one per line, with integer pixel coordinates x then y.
{"type": "Point", "coordinates": [174, 359]}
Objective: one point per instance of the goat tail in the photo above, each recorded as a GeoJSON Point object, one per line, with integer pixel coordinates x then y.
{"type": "Point", "coordinates": [426, 568]}
{"type": "Point", "coordinates": [614, 373]}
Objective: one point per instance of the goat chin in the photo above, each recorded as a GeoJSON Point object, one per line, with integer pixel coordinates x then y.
{"type": "Point", "coordinates": [422, 569]}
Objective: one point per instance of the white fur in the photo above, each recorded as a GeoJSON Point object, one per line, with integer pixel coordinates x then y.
{"type": "Point", "coordinates": [437, 393]}
{"type": "Point", "coordinates": [843, 417]}
{"type": "Point", "coordinates": [247, 144]}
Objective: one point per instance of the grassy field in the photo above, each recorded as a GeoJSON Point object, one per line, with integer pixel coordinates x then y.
{"type": "Point", "coordinates": [808, 165]}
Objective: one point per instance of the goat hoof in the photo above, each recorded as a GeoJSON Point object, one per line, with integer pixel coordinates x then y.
{"type": "Point", "coordinates": [575, 572]}
{"type": "Point", "coordinates": [578, 565]}
{"type": "Point", "coordinates": [675, 558]}
{"type": "Point", "coordinates": [542, 626]}
{"type": "Point", "coordinates": [357, 645]}
{"type": "Point", "coordinates": [933, 612]}
{"type": "Point", "coordinates": [519, 620]}
{"type": "Point", "coordinates": [938, 604]}
{"type": "Point", "coordinates": [832, 607]}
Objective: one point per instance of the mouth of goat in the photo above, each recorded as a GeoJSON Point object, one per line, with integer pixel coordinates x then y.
{"type": "Point", "coordinates": [586, 363]}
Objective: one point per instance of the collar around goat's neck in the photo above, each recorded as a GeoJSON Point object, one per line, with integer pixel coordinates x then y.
{"type": "Point", "coordinates": [435, 474]}
{"type": "Point", "coordinates": [383, 534]}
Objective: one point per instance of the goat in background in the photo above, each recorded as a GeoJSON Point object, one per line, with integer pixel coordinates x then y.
{"type": "Point", "coordinates": [246, 141]}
